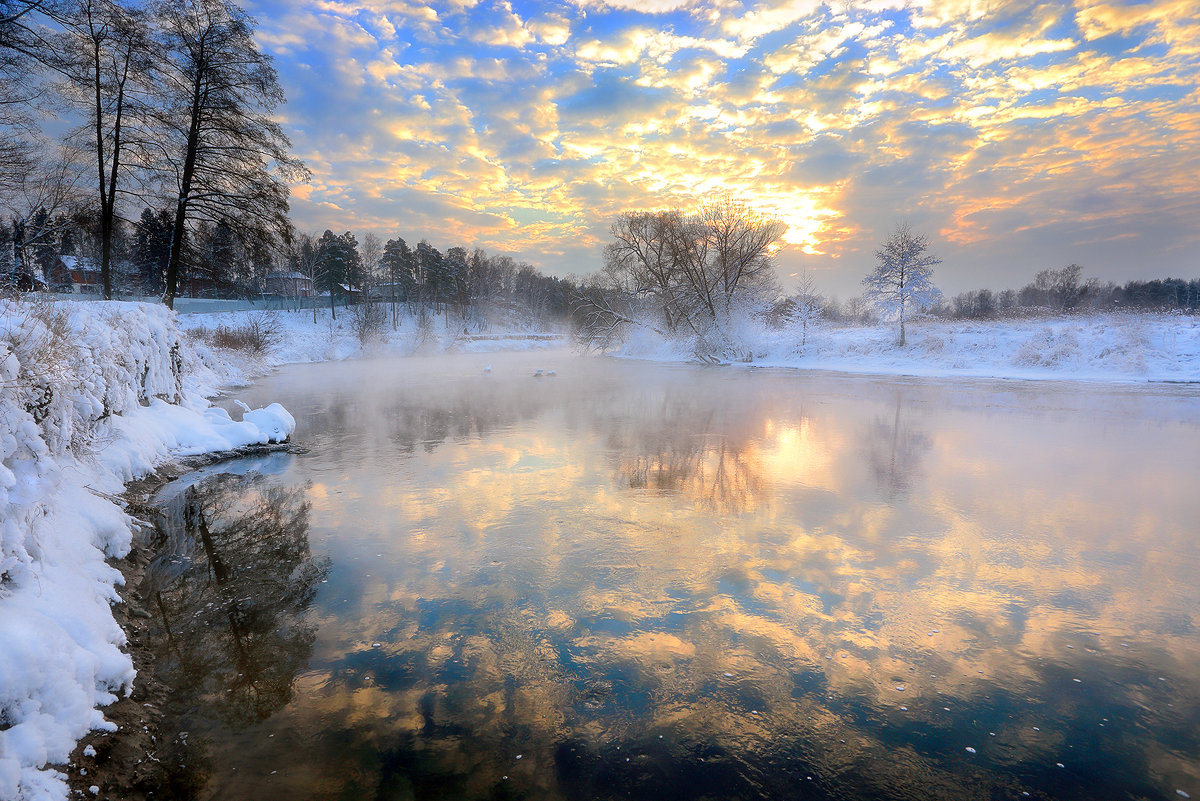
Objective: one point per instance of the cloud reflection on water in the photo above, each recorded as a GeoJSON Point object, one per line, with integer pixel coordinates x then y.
{"type": "Point", "coordinates": [763, 570]}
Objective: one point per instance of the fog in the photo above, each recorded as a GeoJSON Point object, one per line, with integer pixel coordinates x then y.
{"type": "Point", "coordinates": [664, 581]}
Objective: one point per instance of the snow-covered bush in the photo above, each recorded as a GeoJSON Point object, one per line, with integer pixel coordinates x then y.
{"type": "Point", "coordinates": [64, 369]}
{"type": "Point", "coordinates": [370, 322]}
{"type": "Point", "coordinates": [1048, 348]}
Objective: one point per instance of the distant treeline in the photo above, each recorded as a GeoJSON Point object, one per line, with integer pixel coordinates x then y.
{"type": "Point", "coordinates": [222, 262]}
{"type": "Point", "coordinates": [1054, 291]}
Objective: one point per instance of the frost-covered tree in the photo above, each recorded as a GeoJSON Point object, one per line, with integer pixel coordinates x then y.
{"type": "Point", "coordinates": [809, 306]}
{"type": "Point", "coordinates": [903, 278]}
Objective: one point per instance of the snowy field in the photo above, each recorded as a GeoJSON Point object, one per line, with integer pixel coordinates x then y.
{"type": "Point", "coordinates": [94, 395]}
{"type": "Point", "coordinates": [303, 339]}
{"type": "Point", "coordinates": [1111, 348]}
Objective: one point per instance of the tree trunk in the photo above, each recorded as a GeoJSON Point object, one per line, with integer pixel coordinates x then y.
{"type": "Point", "coordinates": [185, 188]}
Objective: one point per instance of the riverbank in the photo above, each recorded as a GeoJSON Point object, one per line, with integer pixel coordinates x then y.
{"type": "Point", "coordinates": [290, 337]}
{"type": "Point", "coordinates": [91, 397]}
{"type": "Point", "coordinates": [1114, 348]}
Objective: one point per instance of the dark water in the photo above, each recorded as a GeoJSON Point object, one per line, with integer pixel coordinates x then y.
{"type": "Point", "coordinates": [649, 582]}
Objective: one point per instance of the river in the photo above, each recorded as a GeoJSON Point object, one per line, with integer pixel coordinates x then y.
{"type": "Point", "coordinates": [617, 579]}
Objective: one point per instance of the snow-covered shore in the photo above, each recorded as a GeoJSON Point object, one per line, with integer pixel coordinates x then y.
{"type": "Point", "coordinates": [91, 397]}
{"type": "Point", "coordinates": [1123, 348]}
{"type": "Point", "coordinates": [300, 338]}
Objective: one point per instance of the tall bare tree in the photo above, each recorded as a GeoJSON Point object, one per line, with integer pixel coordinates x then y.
{"type": "Point", "coordinates": [23, 45]}
{"type": "Point", "coordinates": [225, 157]}
{"type": "Point", "coordinates": [106, 59]}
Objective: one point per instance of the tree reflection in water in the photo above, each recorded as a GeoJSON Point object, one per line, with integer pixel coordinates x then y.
{"type": "Point", "coordinates": [894, 448]}
{"type": "Point", "coordinates": [229, 587]}
{"type": "Point", "coordinates": [687, 448]}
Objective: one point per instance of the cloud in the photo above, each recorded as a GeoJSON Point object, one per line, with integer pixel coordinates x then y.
{"type": "Point", "coordinates": [977, 121]}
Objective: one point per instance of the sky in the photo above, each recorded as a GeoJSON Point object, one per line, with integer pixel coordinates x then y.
{"type": "Point", "coordinates": [1017, 136]}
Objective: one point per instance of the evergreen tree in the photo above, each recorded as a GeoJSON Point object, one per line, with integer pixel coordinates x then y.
{"type": "Point", "coordinates": [339, 262]}
{"type": "Point", "coordinates": [152, 249]}
{"type": "Point", "coordinates": [397, 265]}
{"type": "Point", "coordinates": [431, 273]}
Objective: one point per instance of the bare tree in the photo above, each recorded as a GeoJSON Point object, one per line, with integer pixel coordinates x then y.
{"type": "Point", "coordinates": [739, 243]}
{"type": "Point", "coordinates": [370, 250]}
{"type": "Point", "coordinates": [903, 276]}
{"type": "Point", "coordinates": [224, 155]}
{"type": "Point", "coordinates": [23, 45]}
{"type": "Point", "coordinates": [642, 261]}
{"type": "Point", "coordinates": [106, 61]}
{"type": "Point", "coordinates": [41, 205]}
{"type": "Point", "coordinates": [691, 271]}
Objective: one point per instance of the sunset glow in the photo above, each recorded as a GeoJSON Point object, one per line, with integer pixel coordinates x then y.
{"type": "Point", "coordinates": [1017, 135]}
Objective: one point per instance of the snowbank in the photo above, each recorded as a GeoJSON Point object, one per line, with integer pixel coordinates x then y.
{"type": "Point", "coordinates": [1118, 348]}
{"type": "Point", "coordinates": [91, 396]}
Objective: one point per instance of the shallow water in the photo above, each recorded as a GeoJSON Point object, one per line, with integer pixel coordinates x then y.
{"type": "Point", "coordinates": [633, 580]}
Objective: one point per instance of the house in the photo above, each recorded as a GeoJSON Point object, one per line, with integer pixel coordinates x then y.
{"type": "Point", "coordinates": [350, 294]}
{"type": "Point", "coordinates": [389, 291]}
{"type": "Point", "coordinates": [78, 275]}
{"type": "Point", "coordinates": [201, 286]}
{"type": "Point", "coordinates": [288, 285]}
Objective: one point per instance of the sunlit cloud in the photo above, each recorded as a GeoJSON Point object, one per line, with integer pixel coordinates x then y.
{"type": "Point", "coordinates": [995, 127]}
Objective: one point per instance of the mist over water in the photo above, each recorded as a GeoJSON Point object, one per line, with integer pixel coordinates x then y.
{"type": "Point", "coordinates": [633, 580]}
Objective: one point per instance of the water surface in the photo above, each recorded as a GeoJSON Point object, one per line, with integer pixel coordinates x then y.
{"type": "Point", "coordinates": [632, 580]}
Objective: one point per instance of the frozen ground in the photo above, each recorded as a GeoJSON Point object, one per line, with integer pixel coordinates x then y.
{"type": "Point", "coordinates": [1117, 348]}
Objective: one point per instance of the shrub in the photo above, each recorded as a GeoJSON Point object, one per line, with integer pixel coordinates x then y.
{"type": "Point", "coordinates": [369, 320]}
{"type": "Point", "coordinates": [260, 334]}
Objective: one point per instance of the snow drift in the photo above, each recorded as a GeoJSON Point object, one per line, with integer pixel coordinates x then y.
{"type": "Point", "coordinates": [91, 396]}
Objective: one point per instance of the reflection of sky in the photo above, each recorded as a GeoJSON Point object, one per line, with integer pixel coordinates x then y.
{"type": "Point", "coordinates": [848, 577]}
{"type": "Point", "coordinates": [1018, 135]}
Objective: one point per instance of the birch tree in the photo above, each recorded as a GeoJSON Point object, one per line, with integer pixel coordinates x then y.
{"type": "Point", "coordinates": [903, 278]}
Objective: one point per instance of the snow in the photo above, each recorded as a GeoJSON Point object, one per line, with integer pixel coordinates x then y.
{"type": "Point", "coordinates": [1113, 348]}
{"type": "Point", "coordinates": [326, 339]}
{"type": "Point", "coordinates": [91, 396]}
